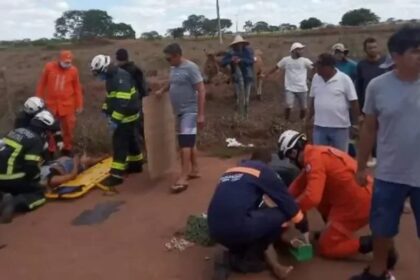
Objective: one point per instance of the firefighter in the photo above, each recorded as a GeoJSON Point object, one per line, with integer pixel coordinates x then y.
{"type": "Point", "coordinates": [327, 182]}
{"type": "Point", "coordinates": [122, 110]}
{"type": "Point", "coordinates": [60, 87]}
{"type": "Point", "coordinates": [31, 107]}
{"type": "Point", "coordinates": [237, 221]}
{"type": "Point", "coordinates": [20, 158]}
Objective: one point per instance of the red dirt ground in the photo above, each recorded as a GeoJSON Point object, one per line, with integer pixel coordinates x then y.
{"type": "Point", "coordinates": [130, 245]}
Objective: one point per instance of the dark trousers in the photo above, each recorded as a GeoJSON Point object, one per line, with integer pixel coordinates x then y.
{"type": "Point", "coordinates": [126, 147]}
{"type": "Point", "coordinates": [27, 195]}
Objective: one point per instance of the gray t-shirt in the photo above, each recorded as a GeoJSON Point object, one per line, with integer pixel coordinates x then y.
{"type": "Point", "coordinates": [396, 104]}
{"type": "Point", "coordinates": [182, 92]}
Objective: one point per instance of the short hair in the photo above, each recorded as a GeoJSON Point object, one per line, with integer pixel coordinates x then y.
{"type": "Point", "coordinates": [262, 154]}
{"type": "Point", "coordinates": [326, 59]}
{"type": "Point", "coordinates": [173, 49]}
{"type": "Point", "coordinates": [404, 39]}
{"type": "Point", "coordinates": [121, 55]}
{"type": "Point", "coordinates": [369, 40]}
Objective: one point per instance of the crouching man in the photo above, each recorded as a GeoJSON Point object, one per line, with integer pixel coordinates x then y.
{"type": "Point", "coordinates": [237, 221]}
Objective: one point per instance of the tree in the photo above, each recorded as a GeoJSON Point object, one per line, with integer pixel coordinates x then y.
{"type": "Point", "coordinates": [89, 24]}
{"type": "Point", "coordinates": [261, 26]}
{"type": "Point", "coordinates": [152, 35]}
{"type": "Point", "coordinates": [310, 23]}
{"type": "Point", "coordinates": [248, 26]}
{"type": "Point", "coordinates": [359, 17]}
{"type": "Point", "coordinates": [122, 31]}
{"type": "Point", "coordinates": [210, 26]}
{"type": "Point", "coordinates": [176, 33]}
{"type": "Point", "coordinates": [194, 25]}
{"type": "Point", "coordinates": [273, 28]}
{"type": "Point", "coordinates": [287, 27]}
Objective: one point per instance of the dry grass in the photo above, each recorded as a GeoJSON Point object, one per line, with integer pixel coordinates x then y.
{"type": "Point", "coordinates": [24, 66]}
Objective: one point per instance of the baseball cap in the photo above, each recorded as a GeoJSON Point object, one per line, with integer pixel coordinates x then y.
{"type": "Point", "coordinates": [296, 45]}
{"type": "Point", "coordinates": [66, 56]}
{"type": "Point", "coordinates": [340, 47]}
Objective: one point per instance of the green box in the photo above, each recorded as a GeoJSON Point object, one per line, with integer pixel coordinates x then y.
{"type": "Point", "coordinates": [303, 253]}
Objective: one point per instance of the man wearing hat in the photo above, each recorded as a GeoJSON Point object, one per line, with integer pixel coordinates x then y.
{"type": "Point", "coordinates": [295, 69]}
{"type": "Point", "coordinates": [343, 63]}
{"type": "Point", "coordinates": [60, 87]}
{"type": "Point", "coordinates": [240, 57]}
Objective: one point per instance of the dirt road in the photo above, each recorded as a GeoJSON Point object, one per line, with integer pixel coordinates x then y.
{"type": "Point", "coordinates": [129, 245]}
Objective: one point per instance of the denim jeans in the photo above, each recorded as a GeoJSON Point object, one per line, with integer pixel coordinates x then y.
{"type": "Point", "coordinates": [338, 138]}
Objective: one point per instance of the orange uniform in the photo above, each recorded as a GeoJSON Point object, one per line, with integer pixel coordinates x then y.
{"type": "Point", "coordinates": [62, 92]}
{"type": "Point", "coordinates": [328, 184]}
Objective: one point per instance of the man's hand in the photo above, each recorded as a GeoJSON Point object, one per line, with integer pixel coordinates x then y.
{"type": "Point", "coordinates": [200, 121]}
{"type": "Point", "coordinates": [112, 125]}
{"type": "Point", "coordinates": [236, 60]}
{"type": "Point", "coordinates": [60, 145]}
{"type": "Point", "coordinates": [159, 93]}
{"type": "Point", "coordinates": [362, 177]}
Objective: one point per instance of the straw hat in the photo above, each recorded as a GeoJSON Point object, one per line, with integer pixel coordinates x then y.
{"type": "Point", "coordinates": [239, 39]}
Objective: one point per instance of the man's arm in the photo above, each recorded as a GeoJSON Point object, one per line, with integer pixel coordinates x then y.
{"type": "Point", "coordinates": [355, 112]}
{"type": "Point", "coordinates": [367, 140]}
{"type": "Point", "coordinates": [298, 185]}
{"type": "Point", "coordinates": [162, 90]}
{"type": "Point", "coordinates": [201, 96]}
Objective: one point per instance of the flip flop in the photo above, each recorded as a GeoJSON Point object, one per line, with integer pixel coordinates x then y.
{"type": "Point", "coordinates": [179, 188]}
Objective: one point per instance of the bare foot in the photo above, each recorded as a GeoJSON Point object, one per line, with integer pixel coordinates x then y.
{"type": "Point", "coordinates": [407, 208]}
{"type": "Point", "coordinates": [281, 272]}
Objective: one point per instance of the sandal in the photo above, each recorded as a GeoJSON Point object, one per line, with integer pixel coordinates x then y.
{"type": "Point", "coordinates": [179, 188]}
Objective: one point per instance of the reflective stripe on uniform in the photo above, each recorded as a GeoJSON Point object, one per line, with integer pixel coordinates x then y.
{"type": "Point", "coordinates": [246, 170]}
{"type": "Point", "coordinates": [17, 149]}
{"type": "Point", "coordinates": [122, 94]}
{"type": "Point", "coordinates": [138, 157]}
{"type": "Point", "coordinates": [12, 176]}
{"type": "Point", "coordinates": [124, 119]}
{"type": "Point", "coordinates": [32, 158]}
{"type": "Point", "coordinates": [118, 166]}
{"type": "Point", "coordinates": [104, 106]}
{"type": "Point", "coordinates": [37, 203]}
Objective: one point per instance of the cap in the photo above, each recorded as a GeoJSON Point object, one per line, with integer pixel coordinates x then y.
{"type": "Point", "coordinates": [66, 56]}
{"type": "Point", "coordinates": [340, 47]}
{"type": "Point", "coordinates": [296, 45]}
{"type": "Point", "coordinates": [121, 55]}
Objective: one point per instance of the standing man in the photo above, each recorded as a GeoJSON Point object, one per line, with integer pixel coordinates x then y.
{"type": "Point", "coordinates": [391, 110]}
{"type": "Point", "coordinates": [332, 95]}
{"type": "Point", "coordinates": [294, 69]}
{"type": "Point", "coordinates": [188, 96]}
{"type": "Point", "coordinates": [123, 112]}
{"type": "Point", "coordinates": [240, 58]}
{"type": "Point", "coordinates": [60, 87]}
{"type": "Point", "coordinates": [343, 63]}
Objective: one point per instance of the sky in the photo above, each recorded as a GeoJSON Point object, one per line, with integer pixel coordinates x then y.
{"type": "Point", "coordinates": [35, 18]}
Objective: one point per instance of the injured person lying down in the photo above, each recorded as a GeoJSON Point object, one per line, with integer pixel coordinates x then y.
{"type": "Point", "coordinates": [65, 169]}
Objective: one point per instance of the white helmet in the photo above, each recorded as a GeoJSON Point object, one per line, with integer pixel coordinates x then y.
{"type": "Point", "coordinates": [44, 117]}
{"type": "Point", "coordinates": [289, 140]}
{"type": "Point", "coordinates": [33, 105]}
{"type": "Point", "coordinates": [100, 63]}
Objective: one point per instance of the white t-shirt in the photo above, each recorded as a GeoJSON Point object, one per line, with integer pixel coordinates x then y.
{"type": "Point", "coordinates": [332, 100]}
{"type": "Point", "coordinates": [296, 73]}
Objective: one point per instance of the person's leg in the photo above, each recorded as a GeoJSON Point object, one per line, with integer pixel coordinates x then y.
{"type": "Point", "coordinates": [290, 102]}
{"type": "Point", "coordinates": [68, 124]}
{"type": "Point", "coordinates": [387, 206]}
{"type": "Point", "coordinates": [27, 195]}
{"type": "Point", "coordinates": [340, 138]}
{"type": "Point", "coordinates": [259, 87]}
{"type": "Point", "coordinates": [135, 156]}
{"type": "Point", "coordinates": [320, 136]}
{"type": "Point", "coordinates": [195, 170]}
{"type": "Point", "coordinates": [302, 98]}
{"type": "Point", "coordinates": [248, 87]}
{"type": "Point", "coordinates": [415, 205]}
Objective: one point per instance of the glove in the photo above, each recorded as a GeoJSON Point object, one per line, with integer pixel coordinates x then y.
{"type": "Point", "coordinates": [112, 125]}
{"type": "Point", "coordinates": [303, 226]}
{"type": "Point", "coordinates": [60, 145]}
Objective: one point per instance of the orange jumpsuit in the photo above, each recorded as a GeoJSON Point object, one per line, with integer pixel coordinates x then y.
{"type": "Point", "coordinates": [62, 92]}
{"type": "Point", "coordinates": [328, 184]}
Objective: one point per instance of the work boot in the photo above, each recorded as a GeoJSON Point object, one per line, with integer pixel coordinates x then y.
{"type": "Point", "coordinates": [135, 168]}
{"type": "Point", "coordinates": [367, 276]}
{"type": "Point", "coordinates": [7, 208]}
{"type": "Point", "coordinates": [111, 182]}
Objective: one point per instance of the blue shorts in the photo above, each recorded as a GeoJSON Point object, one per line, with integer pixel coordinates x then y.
{"type": "Point", "coordinates": [387, 206]}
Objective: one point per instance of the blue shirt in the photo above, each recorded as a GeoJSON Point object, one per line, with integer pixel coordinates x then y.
{"type": "Point", "coordinates": [246, 65]}
{"type": "Point", "coordinates": [348, 67]}
{"type": "Point", "coordinates": [240, 191]}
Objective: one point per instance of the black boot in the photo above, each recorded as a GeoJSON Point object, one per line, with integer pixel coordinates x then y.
{"type": "Point", "coordinates": [367, 276]}
{"type": "Point", "coordinates": [135, 167]}
{"type": "Point", "coordinates": [111, 181]}
{"type": "Point", "coordinates": [7, 208]}
{"type": "Point", "coordinates": [366, 244]}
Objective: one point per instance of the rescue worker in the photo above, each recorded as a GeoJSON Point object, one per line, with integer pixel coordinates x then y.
{"type": "Point", "coordinates": [60, 87]}
{"type": "Point", "coordinates": [31, 107]}
{"type": "Point", "coordinates": [123, 112]}
{"type": "Point", "coordinates": [327, 182]}
{"type": "Point", "coordinates": [237, 221]}
{"type": "Point", "coordinates": [20, 159]}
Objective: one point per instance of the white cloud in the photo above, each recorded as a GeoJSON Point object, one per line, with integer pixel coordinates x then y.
{"type": "Point", "coordinates": [35, 18]}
